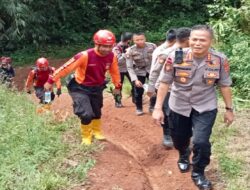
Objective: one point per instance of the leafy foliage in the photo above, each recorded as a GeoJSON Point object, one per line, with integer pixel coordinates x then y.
{"type": "Point", "coordinates": [37, 22]}
{"type": "Point", "coordinates": [229, 20]}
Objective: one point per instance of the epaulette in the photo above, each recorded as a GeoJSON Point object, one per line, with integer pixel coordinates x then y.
{"type": "Point", "coordinates": [133, 46]}
{"type": "Point", "coordinates": [152, 44]}
{"type": "Point", "coordinates": [218, 54]}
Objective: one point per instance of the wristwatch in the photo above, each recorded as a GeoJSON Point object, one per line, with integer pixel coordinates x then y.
{"type": "Point", "coordinates": [230, 109]}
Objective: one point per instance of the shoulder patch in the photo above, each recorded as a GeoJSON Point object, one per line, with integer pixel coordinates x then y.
{"type": "Point", "coordinates": [226, 66]}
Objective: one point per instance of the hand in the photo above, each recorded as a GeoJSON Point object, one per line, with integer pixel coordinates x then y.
{"type": "Point", "coordinates": [228, 117]}
{"type": "Point", "coordinates": [150, 94]}
{"type": "Point", "coordinates": [138, 84]}
{"type": "Point", "coordinates": [158, 116]}
{"type": "Point", "coordinates": [58, 92]}
{"type": "Point", "coordinates": [116, 91]}
{"type": "Point", "coordinates": [47, 86]}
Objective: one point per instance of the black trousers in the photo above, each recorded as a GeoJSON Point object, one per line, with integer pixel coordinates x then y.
{"type": "Point", "coordinates": [166, 110]}
{"type": "Point", "coordinates": [139, 93]}
{"type": "Point", "coordinates": [198, 125]}
{"type": "Point", "coordinates": [87, 101]}
{"type": "Point", "coordinates": [122, 75]}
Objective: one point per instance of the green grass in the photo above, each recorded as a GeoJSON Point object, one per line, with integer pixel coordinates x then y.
{"type": "Point", "coordinates": [231, 149]}
{"type": "Point", "coordinates": [33, 150]}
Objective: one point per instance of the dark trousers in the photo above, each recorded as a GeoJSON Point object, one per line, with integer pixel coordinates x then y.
{"type": "Point", "coordinates": [123, 74]}
{"type": "Point", "coordinates": [40, 92]}
{"type": "Point", "coordinates": [166, 110]}
{"type": "Point", "coordinates": [139, 92]}
{"type": "Point", "coordinates": [87, 101]}
{"type": "Point", "coordinates": [198, 125]}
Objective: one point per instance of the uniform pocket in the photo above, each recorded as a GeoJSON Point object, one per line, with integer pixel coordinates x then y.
{"type": "Point", "coordinates": [211, 74]}
{"type": "Point", "coordinates": [183, 73]}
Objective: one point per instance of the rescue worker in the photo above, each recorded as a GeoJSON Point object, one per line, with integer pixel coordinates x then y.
{"type": "Point", "coordinates": [86, 88]}
{"type": "Point", "coordinates": [182, 40]}
{"type": "Point", "coordinates": [37, 77]}
{"type": "Point", "coordinates": [193, 101]}
{"type": "Point", "coordinates": [120, 50]}
{"type": "Point", "coordinates": [139, 58]}
{"type": "Point", "coordinates": [7, 72]}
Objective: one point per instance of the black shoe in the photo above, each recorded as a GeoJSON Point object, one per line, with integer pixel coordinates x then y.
{"type": "Point", "coordinates": [183, 162]}
{"type": "Point", "coordinates": [167, 141]}
{"type": "Point", "coordinates": [201, 181]}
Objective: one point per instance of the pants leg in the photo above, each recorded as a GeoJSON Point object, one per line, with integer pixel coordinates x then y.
{"type": "Point", "coordinates": [132, 87]}
{"type": "Point", "coordinates": [82, 107]}
{"type": "Point", "coordinates": [180, 130]}
{"type": "Point", "coordinates": [96, 100]}
{"type": "Point", "coordinates": [139, 92]}
{"type": "Point", "coordinates": [165, 126]}
{"type": "Point", "coordinates": [39, 91]}
{"type": "Point", "coordinates": [202, 129]}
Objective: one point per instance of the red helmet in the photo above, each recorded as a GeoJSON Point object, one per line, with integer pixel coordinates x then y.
{"type": "Point", "coordinates": [6, 60]}
{"type": "Point", "coordinates": [104, 37]}
{"type": "Point", "coordinates": [42, 63]}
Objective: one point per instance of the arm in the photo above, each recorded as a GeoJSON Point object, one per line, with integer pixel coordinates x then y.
{"type": "Point", "coordinates": [67, 68]}
{"type": "Point", "coordinates": [161, 94]}
{"type": "Point", "coordinates": [224, 85]}
{"type": "Point", "coordinates": [227, 97]}
{"type": "Point", "coordinates": [130, 66]}
{"type": "Point", "coordinates": [120, 56]}
{"type": "Point", "coordinates": [115, 74]}
{"type": "Point", "coordinates": [154, 74]}
{"type": "Point", "coordinates": [29, 80]}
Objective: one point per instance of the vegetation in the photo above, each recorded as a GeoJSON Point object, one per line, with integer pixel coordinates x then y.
{"type": "Point", "coordinates": [231, 24]}
{"type": "Point", "coordinates": [68, 21]}
{"type": "Point", "coordinates": [58, 29]}
{"type": "Point", "coordinates": [230, 145]}
{"type": "Point", "coordinates": [33, 152]}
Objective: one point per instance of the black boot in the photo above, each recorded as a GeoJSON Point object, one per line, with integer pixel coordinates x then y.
{"type": "Point", "coordinates": [200, 181]}
{"type": "Point", "coordinates": [183, 162]}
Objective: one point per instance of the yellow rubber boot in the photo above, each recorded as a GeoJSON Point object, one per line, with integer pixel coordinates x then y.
{"type": "Point", "coordinates": [96, 127]}
{"type": "Point", "coordinates": [43, 108]}
{"type": "Point", "coordinates": [86, 131]}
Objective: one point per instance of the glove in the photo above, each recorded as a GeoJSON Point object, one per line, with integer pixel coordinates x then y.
{"type": "Point", "coordinates": [58, 92]}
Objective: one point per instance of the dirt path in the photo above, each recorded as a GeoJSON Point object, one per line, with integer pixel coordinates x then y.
{"type": "Point", "coordinates": [133, 157]}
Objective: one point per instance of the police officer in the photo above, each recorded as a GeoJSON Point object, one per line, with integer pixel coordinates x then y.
{"type": "Point", "coordinates": [139, 58]}
{"type": "Point", "coordinates": [182, 40]}
{"type": "Point", "coordinates": [170, 41]}
{"type": "Point", "coordinates": [120, 50]}
{"type": "Point", "coordinates": [193, 101]}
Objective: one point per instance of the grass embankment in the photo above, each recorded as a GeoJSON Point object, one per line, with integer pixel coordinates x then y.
{"type": "Point", "coordinates": [231, 149]}
{"type": "Point", "coordinates": [37, 152]}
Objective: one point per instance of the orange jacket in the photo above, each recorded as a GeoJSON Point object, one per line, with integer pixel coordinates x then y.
{"type": "Point", "coordinates": [38, 78]}
{"type": "Point", "coordinates": [79, 65]}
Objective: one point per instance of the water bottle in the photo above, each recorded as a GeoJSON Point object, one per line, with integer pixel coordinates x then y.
{"type": "Point", "coordinates": [145, 87]}
{"type": "Point", "coordinates": [47, 97]}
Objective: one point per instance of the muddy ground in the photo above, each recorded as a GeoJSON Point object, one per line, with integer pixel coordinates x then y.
{"type": "Point", "coordinates": [133, 157]}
